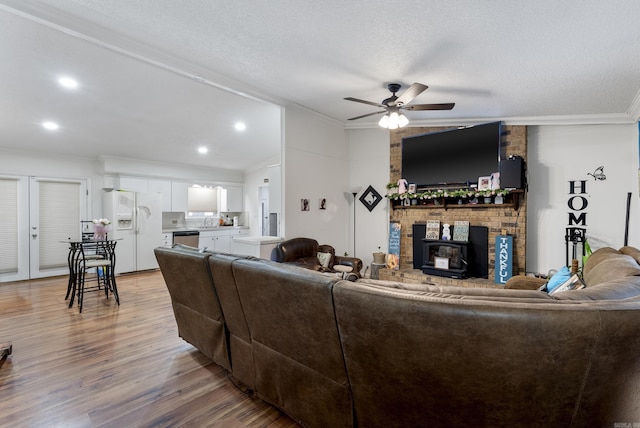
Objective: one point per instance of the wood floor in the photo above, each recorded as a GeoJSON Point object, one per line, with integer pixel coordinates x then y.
{"type": "Point", "coordinates": [112, 366]}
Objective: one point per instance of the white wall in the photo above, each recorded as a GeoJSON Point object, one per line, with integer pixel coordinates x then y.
{"type": "Point", "coordinates": [559, 154]}
{"type": "Point", "coordinates": [316, 165]}
{"type": "Point", "coordinates": [369, 166]}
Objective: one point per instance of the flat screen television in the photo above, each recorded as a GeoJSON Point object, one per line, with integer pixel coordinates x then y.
{"type": "Point", "coordinates": [454, 157]}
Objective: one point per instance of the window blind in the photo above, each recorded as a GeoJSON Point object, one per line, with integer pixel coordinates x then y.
{"type": "Point", "coordinates": [59, 220]}
{"type": "Point", "coordinates": [9, 222]}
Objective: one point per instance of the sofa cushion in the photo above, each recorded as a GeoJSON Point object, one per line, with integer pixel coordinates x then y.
{"type": "Point", "coordinates": [612, 267]}
{"type": "Point", "coordinates": [523, 282]}
{"type": "Point", "coordinates": [462, 293]}
{"type": "Point", "coordinates": [596, 258]}
{"type": "Point", "coordinates": [631, 251]}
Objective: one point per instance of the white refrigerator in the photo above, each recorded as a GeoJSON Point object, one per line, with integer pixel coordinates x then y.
{"type": "Point", "coordinates": [136, 220]}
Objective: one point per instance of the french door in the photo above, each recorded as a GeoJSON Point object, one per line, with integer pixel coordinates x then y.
{"type": "Point", "coordinates": [55, 209]}
{"type": "Point", "coordinates": [36, 216]}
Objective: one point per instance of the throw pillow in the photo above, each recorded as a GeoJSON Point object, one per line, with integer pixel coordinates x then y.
{"type": "Point", "coordinates": [324, 259]}
{"type": "Point", "coordinates": [558, 278]}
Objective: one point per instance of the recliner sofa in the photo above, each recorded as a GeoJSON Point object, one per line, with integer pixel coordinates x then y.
{"type": "Point", "coordinates": [372, 353]}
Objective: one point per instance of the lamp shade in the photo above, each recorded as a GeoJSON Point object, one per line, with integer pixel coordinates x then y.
{"type": "Point", "coordinates": [393, 120]}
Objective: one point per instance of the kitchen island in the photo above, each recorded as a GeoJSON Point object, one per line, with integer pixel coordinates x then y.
{"type": "Point", "coordinates": [257, 246]}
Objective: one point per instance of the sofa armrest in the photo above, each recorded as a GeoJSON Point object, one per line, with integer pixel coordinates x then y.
{"type": "Point", "coordinates": [354, 262]}
{"type": "Point", "coordinates": [522, 282]}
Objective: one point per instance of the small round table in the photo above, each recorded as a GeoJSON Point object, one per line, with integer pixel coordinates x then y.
{"type": "Point", "coordinates": [344, 270]}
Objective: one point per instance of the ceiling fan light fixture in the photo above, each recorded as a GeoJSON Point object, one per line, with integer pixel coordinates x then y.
{"type": "Point", "coordinates": [393, 120]}
{"type": "Point", "coordinates": [384, 121]}
{"type": "Point", "coordinates": [402, 121]}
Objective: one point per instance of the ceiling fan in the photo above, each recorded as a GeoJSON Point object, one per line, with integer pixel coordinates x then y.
{"type": "Point", "coordinates": [393, 117]}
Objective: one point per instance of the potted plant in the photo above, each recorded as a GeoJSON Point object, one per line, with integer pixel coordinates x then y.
{"type": "Point", "coordinates": [459, 194]}
{"type": "Point", "coordinates": [484, 195]}
{"type": "Point", "coordinates": [500, 194]}
{"type": "Point", "coordinates": [392, 188]}
{"type": "Point", "coordinates": [379, 258]}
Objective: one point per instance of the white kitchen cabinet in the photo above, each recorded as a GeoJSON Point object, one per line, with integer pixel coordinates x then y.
{"type": "Point", "coordinates": [163, 187]}
{"type": "Point", "coordinates": [215, 241]}
{"type": "Point", "coordinates": [167, 240]}
{"type": "Point", "coordinates": [207, 239]}
{"type": "Point", "coordinates": [179, 196]}
{"type": "Point", "coordinates": [134, 184]}
{"type": "Point", "coordinates": [220, 240]}
{"type": "Point", "coordinates": [223, 243]}
{"type": "Point", "coordinates": [235, 198]}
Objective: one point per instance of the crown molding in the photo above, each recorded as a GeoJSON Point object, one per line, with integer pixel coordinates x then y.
{"type": "Point", "coordinates": [594, 119]}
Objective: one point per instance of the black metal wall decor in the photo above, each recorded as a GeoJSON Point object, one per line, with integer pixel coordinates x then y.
{"type": "Point", "coordinates": [370, 198]}
{"type": "Point", "coordinates": [575, 238]}
{"type": "Point", "coordinates": [598, 174]}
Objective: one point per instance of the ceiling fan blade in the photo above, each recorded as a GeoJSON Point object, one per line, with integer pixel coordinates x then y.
{"type": "Point", "coordinates": [366, 115]}
{"type": "Point", "coordinates": [444, 106]}
{"type": "Point", "coordinates": [371, 103]}
{"type": "Point", "coordinates": [408, 95]}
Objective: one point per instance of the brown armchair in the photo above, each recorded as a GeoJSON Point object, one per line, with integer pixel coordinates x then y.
{"type": "Point", "coordinates": [303, 252]}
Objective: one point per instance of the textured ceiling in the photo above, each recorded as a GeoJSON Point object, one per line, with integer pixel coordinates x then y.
{"type": "Point", "coordinates": [522, 62]}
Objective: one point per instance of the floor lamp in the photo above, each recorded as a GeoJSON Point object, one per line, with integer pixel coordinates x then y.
{"type": "Point", "coordinates": [354, 192]}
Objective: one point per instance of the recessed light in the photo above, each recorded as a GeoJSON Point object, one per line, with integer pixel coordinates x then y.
{"type": "Point", "coordinates": [240, 126]}
{"type": "Point", "coordinates": [202, 150]}
{"type": "Point", "coordinates": [51, 126]}
{"type": "Point", "coordinates": [68, 82]}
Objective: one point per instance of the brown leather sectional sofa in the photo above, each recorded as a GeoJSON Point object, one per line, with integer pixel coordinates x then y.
{"type": "Point", "coordinates": [334, 353]}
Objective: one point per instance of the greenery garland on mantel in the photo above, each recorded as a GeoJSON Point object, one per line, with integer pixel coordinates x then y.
{"type": "Point", "coordinates": [447, 193]}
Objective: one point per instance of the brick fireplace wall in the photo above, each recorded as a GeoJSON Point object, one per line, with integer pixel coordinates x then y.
{"type": "Point", "coordinates": [496, 217]}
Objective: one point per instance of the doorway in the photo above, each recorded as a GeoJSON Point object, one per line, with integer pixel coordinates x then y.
{"type": "Point", "coordinates": [263, 203]}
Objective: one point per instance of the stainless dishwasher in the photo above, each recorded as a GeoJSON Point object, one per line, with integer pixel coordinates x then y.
{"type": "Point", "coordinates": [187, 237]}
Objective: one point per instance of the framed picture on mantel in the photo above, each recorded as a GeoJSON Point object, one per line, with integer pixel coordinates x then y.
{"type": "Point", "coordinates": [484, 183]}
